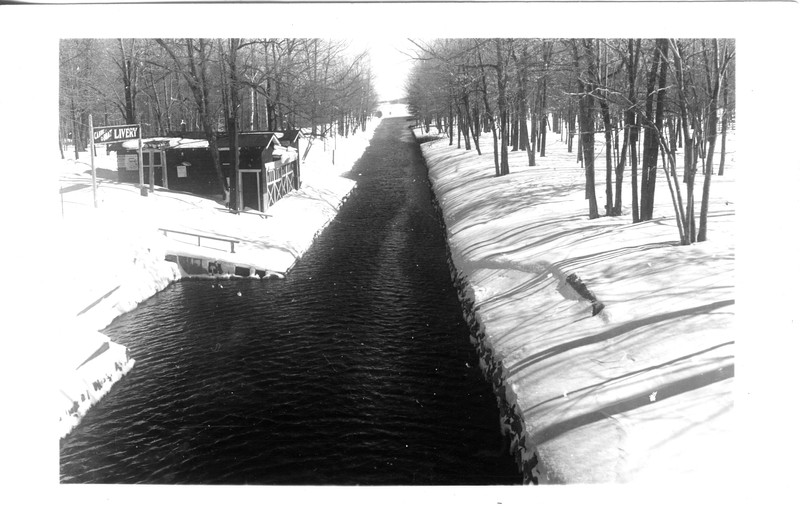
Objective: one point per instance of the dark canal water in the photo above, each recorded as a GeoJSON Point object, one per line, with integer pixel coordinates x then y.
{"type": "Point", "coordinates": [355, 369]}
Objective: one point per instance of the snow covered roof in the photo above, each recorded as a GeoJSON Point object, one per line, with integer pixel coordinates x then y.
{"type": "Point", "coordinates": [286, 153]}
{"type": "Point", "coordinates": [166, 142]}
{"type": "Point", "coordinates": [246, 140]}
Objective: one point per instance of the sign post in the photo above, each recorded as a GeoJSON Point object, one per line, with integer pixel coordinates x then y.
{"type": "Point", "coordinates": [91, 156]}
{"type": "Point", "coordinates": [152, 175]}
{"type": "Point", "coordinates": [142, 188]}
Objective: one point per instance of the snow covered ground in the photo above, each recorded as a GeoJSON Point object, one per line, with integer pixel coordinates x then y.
{"type": "Point", "coordinates": [641, 393]}
{"type": "Point", "coordinates": [110, 258]}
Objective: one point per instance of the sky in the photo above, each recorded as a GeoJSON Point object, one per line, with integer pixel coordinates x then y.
{"type": "Point", "coordinates": [390, 64]}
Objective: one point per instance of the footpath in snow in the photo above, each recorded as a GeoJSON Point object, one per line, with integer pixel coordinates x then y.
{"type": "Point", "coordinates": [115, 253]}
{"type": "Point", "coordinates": [640, 393]}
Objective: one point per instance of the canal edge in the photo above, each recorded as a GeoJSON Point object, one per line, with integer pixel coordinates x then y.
{"type": "Point", "coordinates": [512, 422]}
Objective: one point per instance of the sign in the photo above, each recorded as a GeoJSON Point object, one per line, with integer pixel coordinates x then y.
{"type": "Point", "coordinates": [156, 145]}
{"type": "Point", "coordinates": [128, 162]}
{"type": "Point", "coordinates": [115, 133]}
{"type": "Point", "coordinates": [181, 171]}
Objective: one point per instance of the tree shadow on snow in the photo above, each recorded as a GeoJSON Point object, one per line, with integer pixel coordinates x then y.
{"type": "Point", "coordinates": [488, 202]}
{"type": "Point", "coordinates": [630, 374]}
{"type": "Point", "coordinates": [638, 400]}
{"type": "Point", "coordinates": [616, 331]}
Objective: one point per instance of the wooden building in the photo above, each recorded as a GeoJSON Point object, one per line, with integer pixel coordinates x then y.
{"type": "Point", "coordinates": [177, 163]}
{"type": "Point", "coordinates": [182, 161]}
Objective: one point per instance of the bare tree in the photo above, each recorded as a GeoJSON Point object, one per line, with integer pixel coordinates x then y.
{"type": "Point", "coordinates": [584, 52]}
{"type": "Point", "coordinates": [720, 58]}
{"type": "Point", "coordinates": [656, 93]}
{"type": "Point", "coordinates": [130, 78]}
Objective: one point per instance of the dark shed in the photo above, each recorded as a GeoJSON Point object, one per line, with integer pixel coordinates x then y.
{"type": "Point", "coordinates": [184, 163]}
{"type": "Point", "coordinates": [178, 163]}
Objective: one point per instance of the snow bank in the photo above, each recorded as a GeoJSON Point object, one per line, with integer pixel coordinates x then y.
{"type": "Point", "coordinates": [89, 365]}
{"type": "Point", "coordinates": [641, 392]}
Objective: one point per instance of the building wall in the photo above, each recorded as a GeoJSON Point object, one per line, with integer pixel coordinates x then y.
{"type": "Point", "coordinates": [200, 175]}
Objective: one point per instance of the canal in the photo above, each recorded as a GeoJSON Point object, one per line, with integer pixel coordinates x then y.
{"type": "Point", "coordinates": [355, 369]}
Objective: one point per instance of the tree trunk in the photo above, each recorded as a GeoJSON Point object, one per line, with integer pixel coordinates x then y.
{"type": "Point", "coordinates": [129, 84]}
{"type": "Point", "coordinates": [712, 139]}
{"type": "Point", "coordinates": [615, 127]}
{"type": "Point", "coordinates": [489, 115]}
{"type": "Point", "coordinates": [254, 119]}
{"type": "Point", "coordinates": [522, 103]}
{"type": "Point", "coordinates": [620, 172]}
{"type": "Point", "coordinates": [74, 127]}
{"type": "Point", "coordinates": [609, 162]}
{"type": "Point", "coordinates": [570, 125]}
{"type": "Point", "coordinates": [523, 136]}
{"type": "Point", "coordinates": [459, 122]}
{"type": "Point", "coordinates": [689, 158]}
{"type": "Point", "coordinates": [673, 141]}
{"type": "Point", "coordinates": [697, 142]}
{"type": "Point", "coordinates": [502, 105]}
{"type": "Point", "coordinates": [450, 122]}
{"type": "Point", "coordinates": [586, 105]}
{"type": "Point", "coordinates": [651, 145]}
{"type": "Point", "coordinates": [635, 217]}
{"type": "Point", "coordinates": [660, 102]}
{"type": "Point", "coordinates": [721, 170]}
{"type": "Point", "coordinates": [515, 130]}
{"type": "Point", "coordinates": [466, 122]}
{"type": "Point", "coordinates": [534, 135]}
{"type": "Point", "coordinates": [271, 113]}
{"type": "Point", "coordinates": [649, 137]}
{"type": "Point", "coordinates": [631, 124]}
{"type": "Point", "coordinates": [543, 132]}
{"type": "Point", "coordinates": [586, 117]}
{"type": "Point", "coordinates": [476, 125]}
{"type": "Point", "coordinates": [465, 132]}
{"type": "Point", "coordinates": [547, 52]}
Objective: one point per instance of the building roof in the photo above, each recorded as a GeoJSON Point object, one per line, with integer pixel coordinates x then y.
{"type": "Point", "coordinates": [246, 140]}
{"type": "Point", "coordinates": [166, 142]}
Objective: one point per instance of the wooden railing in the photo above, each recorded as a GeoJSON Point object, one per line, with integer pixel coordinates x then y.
{"type": "Point", "coordinates": [280, 181]}
{"type": "Point", "coordinates": [199, 236]}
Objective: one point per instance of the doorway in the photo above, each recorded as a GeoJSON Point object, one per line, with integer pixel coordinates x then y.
{"type": "Point", "coordinates": [250, 194]}
{"type": "Point", "coordinates": [153, 163]}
